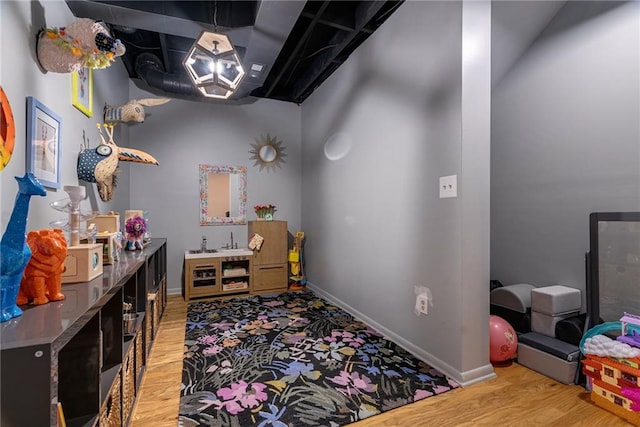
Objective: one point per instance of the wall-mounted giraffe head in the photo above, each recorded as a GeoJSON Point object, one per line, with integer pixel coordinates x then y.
{"type": "Point", "coordinates": [100, 164]}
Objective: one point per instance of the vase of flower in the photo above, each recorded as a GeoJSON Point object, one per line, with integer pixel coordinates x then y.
{"type": "Point", "coordinates": [264, 213]}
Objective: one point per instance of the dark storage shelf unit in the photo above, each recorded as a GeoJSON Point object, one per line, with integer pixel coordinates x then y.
{"type": "Point", "coordinates": [72, 351]}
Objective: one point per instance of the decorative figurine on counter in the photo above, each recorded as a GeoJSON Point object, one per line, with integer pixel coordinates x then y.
{"type": "Point", "coordinates": [14, 251]}
{"type": "Point", "coordinates": [135, 227]}
{"type": "Point", "coordinates": [100, 164]}
{"type": "Point", "coordinates": [132, 111]}
{"type": "Point", "coordinates": [84, 43]}
{"type": "Point", "coordinates": [119, 242]}
{"type": "Point", "coordinates": [42, 279]}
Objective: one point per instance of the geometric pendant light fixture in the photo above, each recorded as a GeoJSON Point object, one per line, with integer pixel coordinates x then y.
{"type": "Point", "coordinates": [214, 65]}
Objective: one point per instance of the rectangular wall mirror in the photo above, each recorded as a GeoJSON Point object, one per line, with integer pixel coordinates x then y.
{"type": "Point", "coordinates": [223, 195]}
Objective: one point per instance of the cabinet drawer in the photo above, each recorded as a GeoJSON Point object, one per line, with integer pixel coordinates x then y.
{"type": "Point", "coordinates": [111, 412]}
{"type": "Point", "coordinates": [202, 278]}
{"type": "Point", "coordinates": [128, 383]}
{"type": "Point", "coordinates": [270, 277]}
{"type": "Point", "coordinates": [139, 355]}
{"type": "Point", "coordinates": [148, 320]}
{"type": "Point", "coordinates": [156, 315]}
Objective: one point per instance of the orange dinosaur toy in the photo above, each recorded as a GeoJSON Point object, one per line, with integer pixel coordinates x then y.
{"type": "Point", "coordinates": [42, 279]}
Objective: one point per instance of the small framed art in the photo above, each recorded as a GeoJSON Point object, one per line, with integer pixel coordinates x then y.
{"type": "Point", "coordinates": [82, 90]}
{"type": "Point", "coordinates": [44, 128]}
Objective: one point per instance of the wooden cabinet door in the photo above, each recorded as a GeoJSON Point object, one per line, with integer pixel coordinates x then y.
{"type": "Point", "coordinates": [273, 278]}
{"type": "Point", "coordinates": [274, 248]}
{"type": "Point", "coordinates": [202, 277]}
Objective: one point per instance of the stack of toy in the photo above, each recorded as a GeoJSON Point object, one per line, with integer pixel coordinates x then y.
{"type": "Point", "coordinates": [552, 304]}
{"type": "Point", "coordinates": [540, 349]}
{"type": "Point", "coordinates": [612, 366]}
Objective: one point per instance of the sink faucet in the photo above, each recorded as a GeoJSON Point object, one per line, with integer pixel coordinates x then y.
{"type": "Point", "coordinates": [231, 240]}
{"type": "Point", "coordinates": [203, 244]}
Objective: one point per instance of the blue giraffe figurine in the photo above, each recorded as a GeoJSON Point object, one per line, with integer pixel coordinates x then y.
{"type": "Point", "coordinates": [14, 250]}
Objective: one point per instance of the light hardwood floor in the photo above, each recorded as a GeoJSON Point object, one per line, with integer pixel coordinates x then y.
{"type": "Point", "coordinates": [517, 397]}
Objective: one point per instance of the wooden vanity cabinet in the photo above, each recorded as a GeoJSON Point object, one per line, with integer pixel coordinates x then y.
{"type": "Point", "coordinates": [270, 268]}
{"type": "Point", "coordinates": [217, 276]}
{"type": "Point", "coordinates": [226, 274]}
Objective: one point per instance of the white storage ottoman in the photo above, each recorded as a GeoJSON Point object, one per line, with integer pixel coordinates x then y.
{"type": "Point", "coordinates": [555, 300]}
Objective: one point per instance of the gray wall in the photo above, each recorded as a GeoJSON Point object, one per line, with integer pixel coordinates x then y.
{"type": "Point", "coordinates": [377, 136]}
{"type": "Point", "coordinates": [405, 109]}
{"type": "Point", "coordinates": [565, 141]}
{"type": "Point", "coordinates": [20, 76]}
{"type": "Point", "coordinates": [183, 134]}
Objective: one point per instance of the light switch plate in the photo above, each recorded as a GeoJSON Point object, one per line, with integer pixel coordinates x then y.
{"type": "Point", "coordinates": [448, 186]}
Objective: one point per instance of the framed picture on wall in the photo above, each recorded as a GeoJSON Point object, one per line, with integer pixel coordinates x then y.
{"type": "Point", "coordinates": [44, 128]}
{"type": "Point", "coordinates": [82, 90]}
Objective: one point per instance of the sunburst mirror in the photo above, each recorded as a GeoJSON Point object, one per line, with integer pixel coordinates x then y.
{"type": "Point", "coordinates": [268, 152]}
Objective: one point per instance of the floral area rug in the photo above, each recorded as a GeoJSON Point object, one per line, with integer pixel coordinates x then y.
{"type": "Point", "coordinates": [291, 360]}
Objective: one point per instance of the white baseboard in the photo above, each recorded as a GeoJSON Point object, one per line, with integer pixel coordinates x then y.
{"type": "Point", "coordinates": [465, 378]}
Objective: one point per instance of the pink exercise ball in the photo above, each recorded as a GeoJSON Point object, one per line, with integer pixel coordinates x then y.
{"type": "Point", "coordinates": [503, 341]}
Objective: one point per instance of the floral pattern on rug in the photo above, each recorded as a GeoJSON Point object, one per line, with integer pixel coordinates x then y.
{"type": "Point", "coordinates": [293, 359]}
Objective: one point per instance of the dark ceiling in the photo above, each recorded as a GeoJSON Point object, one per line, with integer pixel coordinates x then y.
{"type": "Point", "coordinates": [297, 43]}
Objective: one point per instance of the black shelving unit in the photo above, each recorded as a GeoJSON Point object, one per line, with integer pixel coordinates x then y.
{"type": "Point", "coordinates": [75, 351]}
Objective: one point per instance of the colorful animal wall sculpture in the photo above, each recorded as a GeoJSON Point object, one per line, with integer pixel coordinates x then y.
{"type": "Point", "coordinates": [14, 251]}
{"type": "Point", "coordinates": [83, 43]}
{"type": "Point", "coordinates": [42, 279]}
{"type": "Point", "coordinates": [132, 111]}
{"type": "Point", "coordinates": [100, 164]}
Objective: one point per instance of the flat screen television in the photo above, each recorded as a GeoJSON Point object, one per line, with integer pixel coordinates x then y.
{"type": "Point", "coordinates": [613, 266]}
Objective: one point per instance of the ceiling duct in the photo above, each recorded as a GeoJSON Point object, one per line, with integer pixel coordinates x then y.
{"type": "Point", "coordinates": [149, 69]}
{"type": "Point", "coordinates": [258, 45]}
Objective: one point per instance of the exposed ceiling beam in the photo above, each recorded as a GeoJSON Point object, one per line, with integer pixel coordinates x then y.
{"type": "Point", "coordinates": [332, 24]}
{"type": "Point", "coordinates": [295, 51]}
{"type": "Point", "coordinates": [323, 63]}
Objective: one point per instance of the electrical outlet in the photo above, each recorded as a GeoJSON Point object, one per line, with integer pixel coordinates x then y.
{"type": "Point", "coordinates": [424, 299]}
{"type": "Point", "coordinates": [422, 304]}
{"type": "Point", "coordinates": [448, 186]}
